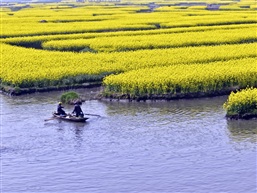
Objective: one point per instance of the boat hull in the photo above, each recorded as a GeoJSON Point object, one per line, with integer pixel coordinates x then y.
{"type": "Point", "coordinates": [70, 118]}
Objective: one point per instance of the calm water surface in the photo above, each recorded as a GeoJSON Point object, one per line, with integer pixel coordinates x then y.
{"type": "Point", "coordinates": [134, 147]}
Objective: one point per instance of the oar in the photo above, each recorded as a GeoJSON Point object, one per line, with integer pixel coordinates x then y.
{"type": "Point", "coordinates": [50, 119]}
{"type": "Point", "coordinates": [93, 115]}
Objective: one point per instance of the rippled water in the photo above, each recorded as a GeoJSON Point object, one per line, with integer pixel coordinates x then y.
{"type": "Point", "coordinates": [134, 147]}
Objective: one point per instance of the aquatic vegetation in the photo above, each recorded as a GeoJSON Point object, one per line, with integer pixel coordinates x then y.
{"type": "Point", "coordinates": [242, 104]}
{"type": "Point", "coordinates": [69, 97]}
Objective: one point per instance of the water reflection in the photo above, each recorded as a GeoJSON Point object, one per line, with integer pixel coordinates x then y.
{"type": "Point", "coordinates": [76, 130]}
{"type": "Point", "coordinates": [188, 107]}
{"type": "Point", "coordinates": [172, 114]}
{"type": "Point", "coordinates": [241, 130]}
{"type": "Point", "coordinates": [49, 97]}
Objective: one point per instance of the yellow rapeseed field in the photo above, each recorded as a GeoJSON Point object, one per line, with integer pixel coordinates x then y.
{"type": "Point", "coordinates": [241, 102]}
{"type": "Point", "coordinates": [184, 79]}
{"type": "Point", "coordinates": [168, 49]}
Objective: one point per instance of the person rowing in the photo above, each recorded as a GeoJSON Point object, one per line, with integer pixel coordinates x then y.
{"type": "Point", "coordinates": [60, 110]}
{"type": "Point", "coordinates": [77, 110]}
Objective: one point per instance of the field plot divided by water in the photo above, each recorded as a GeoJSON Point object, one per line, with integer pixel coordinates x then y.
{"type": "Point", "coordinates": [58, 46]}
{"type": "Point", "coordinates": [174, 49]}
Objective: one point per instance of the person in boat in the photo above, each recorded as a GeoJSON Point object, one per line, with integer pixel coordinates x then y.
{"type": "Point", "coordinates": [60, 110]}
{"type": "Point", "coordinates": [77, 110]}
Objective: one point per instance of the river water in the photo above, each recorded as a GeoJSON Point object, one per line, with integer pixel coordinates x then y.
{"type": "Point", "coordinates": [133, 147]}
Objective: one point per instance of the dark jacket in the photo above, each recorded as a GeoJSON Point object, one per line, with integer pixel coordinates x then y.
{"type": "Point", "coordinates": [60, 110]}
{"type": "Point", "coordinates": [77, 110]}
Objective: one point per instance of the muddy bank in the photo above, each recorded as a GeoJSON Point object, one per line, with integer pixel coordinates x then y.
{"type": "Point", "coordinates": [245, 116]}
{"type": "Point", "coordinates": [102, 95]}
{"type": "Point", "coordinates": [21, 91]}
{"type": "Point", "coordinates": [170, 96]}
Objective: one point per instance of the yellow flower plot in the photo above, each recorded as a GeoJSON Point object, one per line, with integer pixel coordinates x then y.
{"type": "Point", "coordinates": [242, 102]}
{"type": "Point", "coordinates": [181, 78]}
{"type": "Point", "coordinates": [132, 49]}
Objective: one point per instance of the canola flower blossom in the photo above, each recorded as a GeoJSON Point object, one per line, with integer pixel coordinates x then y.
{"type": "Point", "coordinates": [155, 41]}
{"type": "Point", "coordinates": [170, 50]}
{"type": "Point", "coordinates": [177, 79]}
{"type": "Point", "coordinates": [242, 102]}
{"type": "Point", "coordinates": [31, 67]}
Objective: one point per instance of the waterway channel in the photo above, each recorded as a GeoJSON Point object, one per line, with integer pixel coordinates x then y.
{"type": "Point", "coordinates": [132, 147]}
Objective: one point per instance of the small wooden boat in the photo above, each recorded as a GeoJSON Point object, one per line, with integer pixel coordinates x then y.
{"type": "Point", "coordinates": [70, 118]}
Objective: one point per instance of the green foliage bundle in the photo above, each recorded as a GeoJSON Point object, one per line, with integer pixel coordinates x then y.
{"type": "Point", "coordinates": [69, 97]}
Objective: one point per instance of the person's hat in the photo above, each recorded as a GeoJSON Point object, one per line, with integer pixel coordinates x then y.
{"type": "Point", "coordinates": [60, 103]}
{"type": "Point", "coordinates": [78, 102]}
